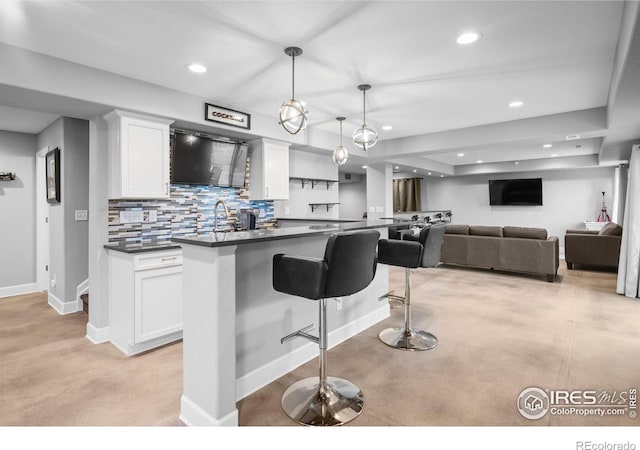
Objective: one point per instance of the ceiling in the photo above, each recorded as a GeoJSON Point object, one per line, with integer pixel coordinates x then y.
{"type": "Point", "coordinates": [557, 57]}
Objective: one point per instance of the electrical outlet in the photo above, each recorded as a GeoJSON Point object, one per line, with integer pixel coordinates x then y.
{"type": "Point", "coordinates": [338, 304]}
{"type": "Point", "coordinates": [82, 215]}
{"type": "Point", "coordinates": [53, 281]}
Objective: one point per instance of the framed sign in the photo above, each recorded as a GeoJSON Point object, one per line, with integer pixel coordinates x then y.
{"type": "Point", "coordinates": [52, 164]}
{"type": "Point", "coordinates": [227, 116]}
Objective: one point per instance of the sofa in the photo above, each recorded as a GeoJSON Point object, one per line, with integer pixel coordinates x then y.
{"type": "Point", "coordinates": [514, 249]}
{"type": "Point", "coordinates": [593, 248]}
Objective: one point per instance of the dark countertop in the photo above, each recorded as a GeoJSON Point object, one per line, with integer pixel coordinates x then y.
{"type": "Point", "coordinates": [129, 247]}
{"type": "Point", "coordinates": [245, 237]}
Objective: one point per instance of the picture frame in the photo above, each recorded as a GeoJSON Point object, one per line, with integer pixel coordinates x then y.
{"type": "Point", "coordinates": [231, 117]}
{"type": "Point", "coordinates": [52, 172]}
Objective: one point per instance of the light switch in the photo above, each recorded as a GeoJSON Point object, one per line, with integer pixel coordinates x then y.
{"type": "Point", "coordinates": [372, 209]}
{"type": "Point", "coordinates": [82, 215]}
{"type": "Point", "coordinates": [379, 209]}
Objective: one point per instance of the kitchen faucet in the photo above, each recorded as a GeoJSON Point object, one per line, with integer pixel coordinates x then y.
{"type": "Point", "coordinates": [215, 211]}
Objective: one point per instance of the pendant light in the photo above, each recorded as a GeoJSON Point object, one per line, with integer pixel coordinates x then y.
{"type": "Point", "coordinates": [364, 136]}
{"type": "Point", "coordinates": [293, 117]}
{"type": "Point", "coordinates": [340, 154]}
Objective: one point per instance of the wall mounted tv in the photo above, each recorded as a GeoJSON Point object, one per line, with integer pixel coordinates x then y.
{"type": "Point", "coordinates": [523, 191]}
{"type": "Point", "coordinates": [205, 160]}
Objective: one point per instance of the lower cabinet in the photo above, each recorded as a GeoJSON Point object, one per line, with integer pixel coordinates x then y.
{"type": "Point", "coordinates": [145, 299]}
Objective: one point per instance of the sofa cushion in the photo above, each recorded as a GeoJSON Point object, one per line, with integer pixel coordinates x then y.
{"type": "Point", "coordinates": [457, 229]}
{"type": "Point", "coordinates": [611, 229]}
{"type": "Point", "coordinates": [483, 230]}
{"type": "Point", "coordinates": [525, 232]}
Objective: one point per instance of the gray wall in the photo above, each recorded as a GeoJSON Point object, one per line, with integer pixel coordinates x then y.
{"type": "Point", "coordinates": [353, 197]}
{"type": "Point", "coordinates": [569, 198]}
{"type": "Point", "coordinates": [68, 249]}
{"type": "Point", "coordinates": [17, 210]}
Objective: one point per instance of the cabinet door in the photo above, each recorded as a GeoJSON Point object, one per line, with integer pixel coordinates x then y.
{"type": "Point", "coordinates": [145, 159]}
{"type": "Point", "coordinates": [158, 303]}
{"type": "Point", "coordinates": [275, 170]}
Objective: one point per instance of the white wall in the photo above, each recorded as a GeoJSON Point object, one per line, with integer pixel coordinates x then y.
{"type": "Point", "coordinates": [17, 213]}
{"type": "Point", "coordinates": [379, 191]}
{"type": "Point", "coordinates": [353, 197]}
{"type": "Point", "coordinates": [569, 198]}
{"type": "Point", "coordinates": [310, 165]}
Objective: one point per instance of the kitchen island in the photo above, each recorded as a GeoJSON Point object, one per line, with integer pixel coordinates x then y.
{"type": "Point", "coordinates": [233, 319]}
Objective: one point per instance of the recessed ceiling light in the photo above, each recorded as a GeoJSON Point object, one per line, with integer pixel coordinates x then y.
{"type": "Point", "coordinates": [516, 163]}
{"type": "Point", "coordinates": [414, 170]}
{"type": "Point", "coordinates": [397, 167]}
{"type": "Point", "coordinates": [387, 127]}
{"type": "Point", "coordinates": [571, 137]}
{"type": "Point", "coordinates": [516, 104]}
{"type": "Point", "coordinates": [460, 155]}
{"type": "Point", "coordinates": [429, 173]}
{"type": "Point", "coordinates": [479, 161]}
{"type": "Point", "coordinates": [553, 155]}
{"type": "Point", "coordinates": [441, 176]}
{"type": "Point", "coordinates": [364, 167]}
{"type": "Point", "coordinates": [468, 38]}
{"type": "Point", "coordinates": [547, 145]}
{"type": "Point", "coordinates": [196, 68]}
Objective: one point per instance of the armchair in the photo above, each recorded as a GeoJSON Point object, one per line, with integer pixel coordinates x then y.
{"type": "Point", "coordinates": [593, 248]}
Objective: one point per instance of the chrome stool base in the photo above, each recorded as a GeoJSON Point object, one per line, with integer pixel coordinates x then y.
{"type": "Point", "coordinates": [408, 340]}
{"type": "Point", "coordinates": [342, 402]}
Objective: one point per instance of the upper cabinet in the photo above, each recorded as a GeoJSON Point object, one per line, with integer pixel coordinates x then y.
{"type": "Point", "coordinates": [269, 171]}
{"type": "Point", "coordinates": [138, 156]}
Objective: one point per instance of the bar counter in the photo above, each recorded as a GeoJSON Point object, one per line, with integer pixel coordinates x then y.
{"type": "Point", "coordinates": [233, 319]}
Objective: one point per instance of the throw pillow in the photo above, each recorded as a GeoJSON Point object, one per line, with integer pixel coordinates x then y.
{"type": "Point", "coordinates": [611, 229]}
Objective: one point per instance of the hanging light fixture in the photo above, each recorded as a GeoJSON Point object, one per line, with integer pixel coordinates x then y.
{"type": "Point", "coordinates": [364, 136]}
{"type": "Point", "coordinates": [340, 154]}
{"type": "Point", "coordinates": [293, 117]}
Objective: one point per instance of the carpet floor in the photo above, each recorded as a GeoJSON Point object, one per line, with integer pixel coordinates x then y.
{"type": "Point", "coordinates": [499, 333]}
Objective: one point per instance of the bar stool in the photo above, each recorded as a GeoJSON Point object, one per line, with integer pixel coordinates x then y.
{"type": "Point", "coordinates": [410, 254]}
{"type": "Point", "coordinates": [348, 266]}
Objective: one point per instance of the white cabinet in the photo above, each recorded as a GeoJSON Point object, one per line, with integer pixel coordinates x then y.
{"type": "Point", "coordinates": [269, 172]}
{"type": "Point", "coordinates": [138, 155]}
{"type": "Point", "coordinates": [145, 299]}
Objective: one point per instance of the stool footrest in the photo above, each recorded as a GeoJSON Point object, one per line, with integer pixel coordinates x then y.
{"type": "Point", "coordinates": [302, 332]}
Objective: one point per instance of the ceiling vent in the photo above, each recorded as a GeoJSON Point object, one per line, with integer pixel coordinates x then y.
{"type": "Point", "coordinates": [572, 137]}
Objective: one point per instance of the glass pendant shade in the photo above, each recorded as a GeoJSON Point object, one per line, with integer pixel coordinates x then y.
{"type": "Point", "coordinates": [293, 116]}
{"type": "Point", "coordinates": [364, 137]}
{"type": "Point", "coordinates": [340, 154]}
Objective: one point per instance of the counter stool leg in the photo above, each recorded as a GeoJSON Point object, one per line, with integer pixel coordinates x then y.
{"type": "Point", "coordinates": [323, 400]}
{"type": "Point", "coordinates": [407, 338]}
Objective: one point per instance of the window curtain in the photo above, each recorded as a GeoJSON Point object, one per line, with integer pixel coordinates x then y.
{"type": "Point", "coordinates": [406, 195]}
{"type": "Point", "coordinates": [629, 264]}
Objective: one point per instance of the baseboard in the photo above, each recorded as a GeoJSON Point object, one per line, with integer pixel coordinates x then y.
{"type": "Point", "coordinates": [97, 335]}
{"type": "Point", "coordinates": [62, 307]}
{"type": "Point", "coordinates": [260, 377]}
{"type": "Point", "coordinates": [19, 289]}
{"type": "Point", "coordinates": [194, 416]}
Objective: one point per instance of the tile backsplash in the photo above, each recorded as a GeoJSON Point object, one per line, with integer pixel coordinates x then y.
{"type": "Point", "coordinates": [189, 211]}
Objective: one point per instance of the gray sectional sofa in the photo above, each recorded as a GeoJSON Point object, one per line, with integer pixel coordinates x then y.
{"type": "Point", "coordinates": [517, 249]}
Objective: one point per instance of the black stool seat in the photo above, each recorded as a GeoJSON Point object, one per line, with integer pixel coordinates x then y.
{"type": "Point", "coordinates": [349, 266]}
{"type": "Point", "coordinates": [412, 252]}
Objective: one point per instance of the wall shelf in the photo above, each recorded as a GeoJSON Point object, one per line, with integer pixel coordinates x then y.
{"type": "Point", "coordinates": [313, 181]}
{"type": "Point", "coordinates": [314, 206]}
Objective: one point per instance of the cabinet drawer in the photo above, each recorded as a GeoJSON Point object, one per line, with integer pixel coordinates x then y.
{"type": "Point", "coordinates": [155, 260]}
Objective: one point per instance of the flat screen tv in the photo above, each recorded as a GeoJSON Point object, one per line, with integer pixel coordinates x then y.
{"type": "Point", "coordinates": [524, 191]}
{"type": "Point", "coordinates": [197, 159]}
